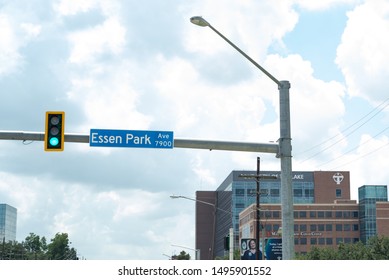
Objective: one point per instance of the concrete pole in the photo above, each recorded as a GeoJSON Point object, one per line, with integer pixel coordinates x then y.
{"type": "Point", "coordinates": [285, 155]}
{"type": "Point", "coordinates": [231, 243]}
{"type": "Point", "coordinates": [257, 213]}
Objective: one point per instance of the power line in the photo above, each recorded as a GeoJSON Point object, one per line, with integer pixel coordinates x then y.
{"type": "Point", "coordinates": [377, 110]}
{"type": "Point", "coordinates": [362, 156]}
{"type": "Point", "coordinates": [354, 148]}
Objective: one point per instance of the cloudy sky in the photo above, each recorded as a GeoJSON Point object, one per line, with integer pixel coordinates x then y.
{"type": "Point", "coordinates": [141, 65]}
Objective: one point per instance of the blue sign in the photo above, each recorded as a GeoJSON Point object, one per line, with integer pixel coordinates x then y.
{"type": "Point", "coordinates": [131, 139]}
{"type": "Point", "coordinates": [274, 249]}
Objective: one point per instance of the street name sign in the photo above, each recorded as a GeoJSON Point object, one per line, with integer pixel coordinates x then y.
{"type": "Point", "coordinates": [131, 139]}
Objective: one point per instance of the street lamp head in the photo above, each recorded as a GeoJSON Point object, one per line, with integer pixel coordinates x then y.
{"type": "Point", "coordinates": [199, 21]}
{"type": "Point", "coordinates": [175, 196]}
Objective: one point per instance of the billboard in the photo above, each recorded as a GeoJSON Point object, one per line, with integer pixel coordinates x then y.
{"type": "Point", "coordinates": [249, 249]}
{"type": "Point", "coordinates": [272, 248]}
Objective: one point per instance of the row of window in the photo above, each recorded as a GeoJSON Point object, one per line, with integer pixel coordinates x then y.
{"type": "Point", "coordinates": [324, 241]}
{"type": "Point", "coordinates": [315, 227]}
{"type": "Point", "coordinates": [326, 214]}
{"type": "Point", "coordinates": [276, 214]}
{"type": "Point", "coordinates": [275, 192]}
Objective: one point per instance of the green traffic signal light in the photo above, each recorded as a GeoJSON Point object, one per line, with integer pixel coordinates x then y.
{"type": "Point", "coordinates": [54, 141]}
{"type": "Point", "coordinates": [54, 131]}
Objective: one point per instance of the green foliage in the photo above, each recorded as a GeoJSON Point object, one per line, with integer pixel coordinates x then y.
{"type": "Point", "coordinates": [377, 248]}
{"type": "Point", "coordinates": [35, 247]}
{"type": "Point", "coordinates": [182, 256]}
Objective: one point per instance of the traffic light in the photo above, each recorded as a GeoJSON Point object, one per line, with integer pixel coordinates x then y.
{"type": "Point", "coordinates": [227, 242]}
{"type": "Point", "coordinates": [55, 131]}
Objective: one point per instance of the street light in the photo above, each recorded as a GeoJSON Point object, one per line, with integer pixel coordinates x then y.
{"type": "Point", "coordinates": [231, 232]}
{"type": "Point", "coordinates": [197, 251]}
{"type": "Point", "coordinates": [200, 201]}
{"type": "Point", "coordinates": [284, 148]}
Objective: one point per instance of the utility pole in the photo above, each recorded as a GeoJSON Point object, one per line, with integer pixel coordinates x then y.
{"type": "Point", "coordinates": [258, 224]}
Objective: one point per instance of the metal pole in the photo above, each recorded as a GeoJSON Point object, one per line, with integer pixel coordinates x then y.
{"type": "Point", "coordinates": [285, 155]}
{"type": "Point", "coordinates": [231, 244]}
{"type": "Point", "coordinates": [178, 143]}
{"type": "Point", "coordinates": [285, 149]}
{"type": "Point", "coordinates": [257, 212]}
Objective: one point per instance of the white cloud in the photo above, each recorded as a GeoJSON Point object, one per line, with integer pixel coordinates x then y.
{"type": "Point", "coordinates": [32, 30]}
{"type": "Point", "coordinates": [10, 58]}
{"type": "Point", "coordinates": [362, 55]}
{"type": "Point", "coordinates": [70, 7]}
{"type": "Point", "coordinates": [322, 5]}
{"type": "Point", "coordinates": [239, 21]}
{"type": "Point", "coordinates": [107, 38]}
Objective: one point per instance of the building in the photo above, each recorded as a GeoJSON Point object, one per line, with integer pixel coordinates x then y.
{"type": "Point", "coordinates": [8, 215]}
{"type": "Point", "coordinates": [314, 224]}
{"type": "Point", "coordinates": [374, 211]}
{"type": "Point", "coordinates": [324, 214]}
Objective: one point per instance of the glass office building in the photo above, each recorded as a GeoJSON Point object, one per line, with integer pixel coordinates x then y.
{"type": "Point", "coordinates": [8, 215]}
{"type": "Point", "coordinates": [369, 195]}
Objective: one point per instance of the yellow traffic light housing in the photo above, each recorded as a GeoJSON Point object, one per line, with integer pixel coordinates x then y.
{"type": "Point", "coordinates": [55, 131]}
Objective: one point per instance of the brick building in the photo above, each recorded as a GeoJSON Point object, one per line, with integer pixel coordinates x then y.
{"type": "Point", "coordinates": [324, 214]}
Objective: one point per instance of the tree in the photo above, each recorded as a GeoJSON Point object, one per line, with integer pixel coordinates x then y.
{"type": "Point", "coordinates": [35, 246]}
{"type": "Point", "coordinates": [11, 250]}
{"type": "Point", "coordinates": [182, 256]}
{"type": "Point", "coordinates": [59, 249]}
{"type": "Point", "coordinates": [377, 248]}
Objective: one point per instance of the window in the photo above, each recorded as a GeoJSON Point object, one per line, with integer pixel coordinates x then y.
{"type": "Point", "coordinates": [355, 227]}
{"type": "Point", "coordinates": [312, 214]}
{"type": "Point", "coordinates": [347, 227]}
{"type": "Point", "coordinates": [321, 241]}
{"type": "Point", "coordinates": [276, 214]}
{"type": "Point", "coordinates": [338, 214]}
{"type": "Point", "coordinates": [274, 192]}
{"type": "Point", "coordinates": [251, 192]}
{"type": "Point", "coordinates": [346, 214]}
{"type": "Point", "coordinates": [239, 192]}
{"type": "Point", "coordinates": [339, 240]}
{"type": "Point", "coordinates": [303, 227]}
{"type": "Point", "coordinates": [303, 241]}
{"type": "Point", "coordinates": [313, 241]}
{"type": "Point", "coordinates": [312, 227]}
{"type": "Point", "coordinates": [303, 214]}
{"type": "Point", "coordinates": [328, 214]}
{"type": "Point", "coordinates": [297, 192]}
{"type": "Point", "coordinates": [328, 227]}
{"type": "Point", "coordinates": [338, 227]}
{"type": "Point", "coordinates": [320, 227]}
{"type": "Point", "coordinates": [338, 193]}
{"type": "Point", "coordinates": [329, 241]}
{"type": "Point", "coordinates": [320, 214]}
